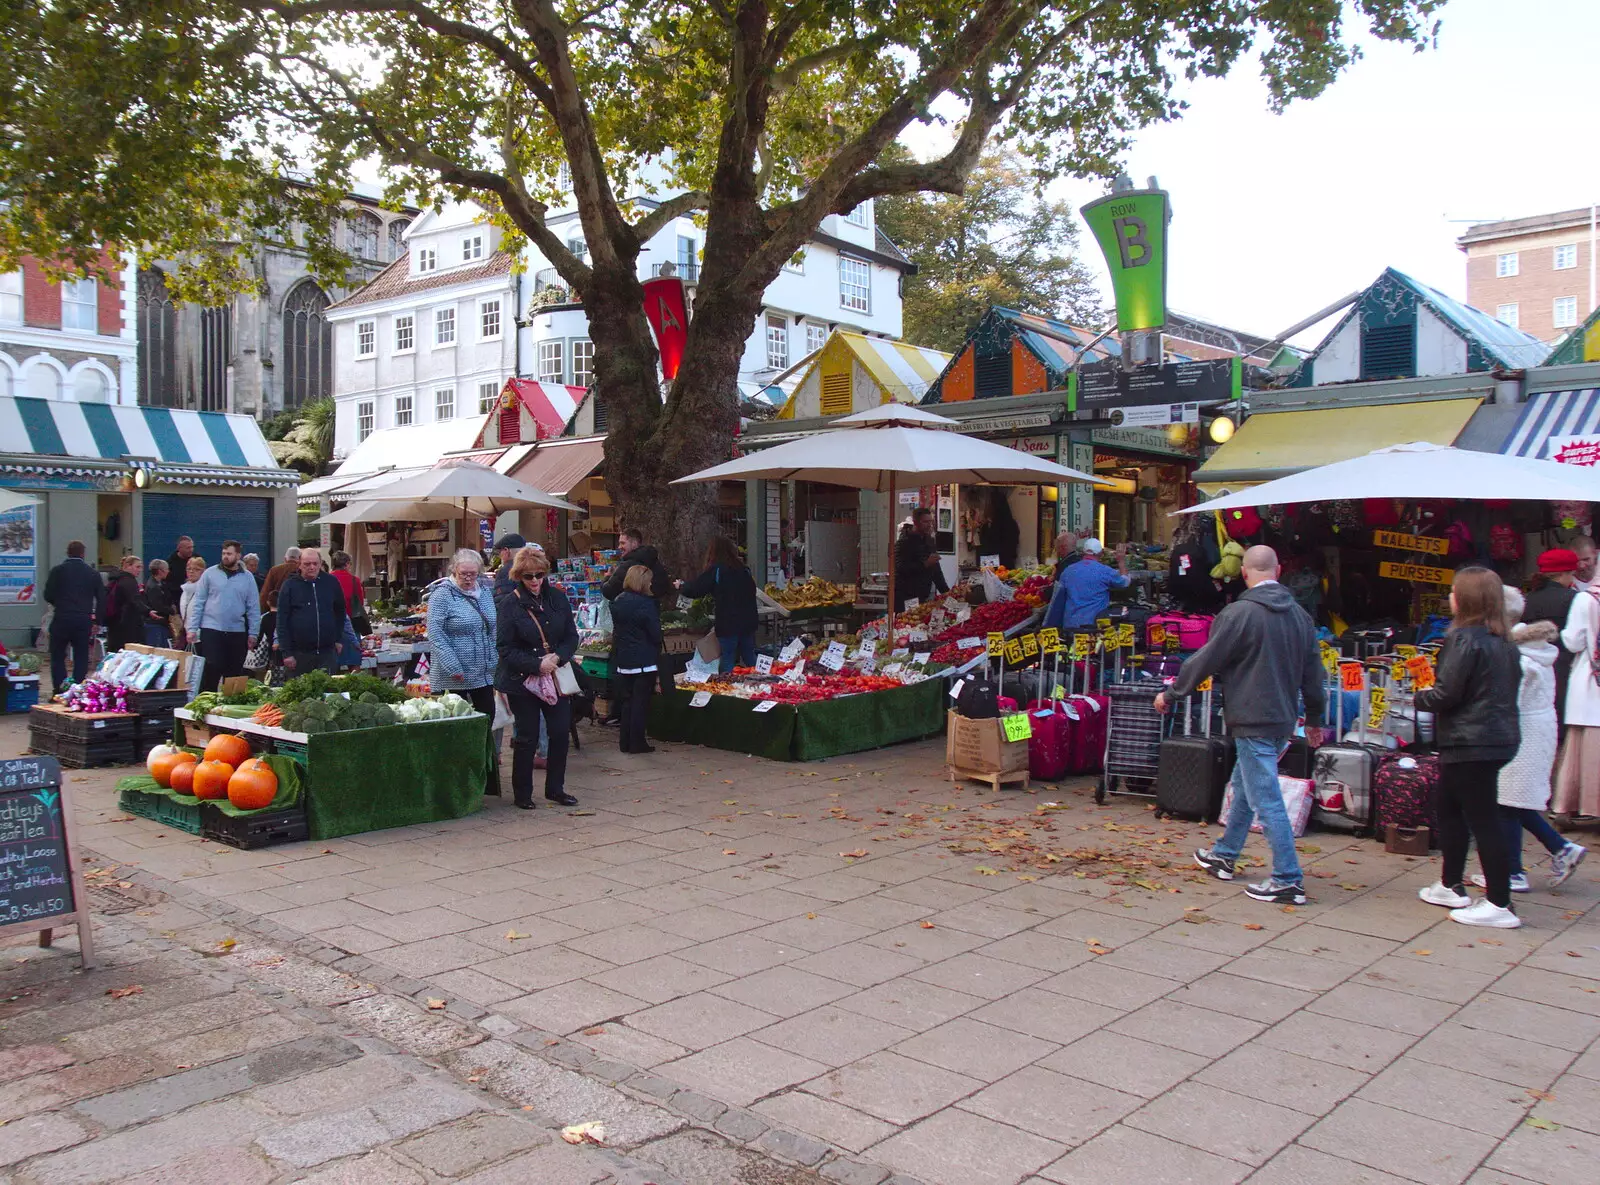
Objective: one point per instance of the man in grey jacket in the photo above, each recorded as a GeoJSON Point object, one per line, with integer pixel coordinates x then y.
{"type": "Point", "coordinates": [1263, 651]}
{"type": "Point", "coordinates": [226, 616]}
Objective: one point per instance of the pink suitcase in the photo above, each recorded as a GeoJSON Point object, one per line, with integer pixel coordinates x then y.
{"type": "Point", "coordinates": [1051, 741]}
{"type": "Point", "coordinates": [1191, 629]}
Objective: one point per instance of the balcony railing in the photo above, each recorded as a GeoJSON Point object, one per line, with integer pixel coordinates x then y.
{"type": "Point", "coordinates": [689, 273]}
{"type": "Point", "coordinates": [550, 289]}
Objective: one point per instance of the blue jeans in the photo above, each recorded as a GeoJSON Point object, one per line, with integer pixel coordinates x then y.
{"type": "Point", "coordinates": [1257, 796]}
{"type": "Point", "coordinates": [737, 651]}
{"type": "Point", "coordinates": [1517, 819]}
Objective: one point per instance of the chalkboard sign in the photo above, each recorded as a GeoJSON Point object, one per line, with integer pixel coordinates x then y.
{"type": "Point", "coordinates": [39, 880]}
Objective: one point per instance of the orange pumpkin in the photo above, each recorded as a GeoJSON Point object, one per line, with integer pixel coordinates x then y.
{"type": "Point", "coordinates": [158, 751]}
{"type": "Point", "coordinates": [253, 785]}
{"type": "Point", "coordinates": [211, 779]}
{"type": "Point", "coordinates": [229, 749]}
{"type": "Point", "coordinates": [181, 778]}
{"type": "Point", "coordinates": [162, 766]}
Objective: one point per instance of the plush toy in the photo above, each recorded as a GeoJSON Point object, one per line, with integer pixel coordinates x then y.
{"type": "Point", "coordinates": [1232, 564]}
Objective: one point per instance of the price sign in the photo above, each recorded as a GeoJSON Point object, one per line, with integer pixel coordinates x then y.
{"type": "Point", "coordinates": [1050, 641]}
{"type": "Point", "coordinates": [997, 645]}
{"type": "Point", "coordinates": [1330, 659]}
{"type": "Point", "coordinates": [1017, 726]}
{"type": "Point", "coordinates": [1158, 635]}
{"type": "Point", "coordinates": [1102, 624]}
{"type": "Point", "coordinates": [1030, 645]}
{"type": "Point", "coordinates": [988, 561]}
{"type": "Point", "coordinates": [1126, 634]}
{"type": "Point", "coordinates": [1398, 672]}
{"type": "Point", "coordinates": [41, 886]}
{"type": "Point", "coordinates": [866, 650]}
{"type": "Point", "coordinates": [833, 656]}
{"type": "Point", "coordinates": [902, 651]}
{"type": "Point", "coordinates": [763, 664]}
{"type": "Point", "coordinates": [796, 673]}
{"type": "Point", "coordinates": [1172, 644]}
{"type": "Point", "coordinates": [963, 613]}
{"type": "Point", "coordinates": [1206, 686]}
{"type": "Point", "coordinates": [1379, 705]}
{"type": "Point", "coordinates": [766, 705]}
{"type": "Point", "coordinates": [1014, 652]}
{"type": "Point", "coordinates": [1082, 646]}
{"type": "Point", "coordinates": [792, 651]}
{"type": "Point", "coordinates": [684, 602]}
{"type": "Point", "coordinates": [970, 644]}
{"type": "Point", "coordinates": [1421, 672]}
{"type": "Point", "coordinates": [912, 603]}
{"type": "Point", "coordinates": [921, 657]}
{"type": "Point", "coordinates": [869, 664]}
{"type": "Point", "coordinates": [893, 669]}
{"type": "Point", "coordinates": [1351, 676]}
{"type": "Point", "coordinates": [917, 636]}
{"type": "Point", "coordinates": [1406, 651]}
{"type": "Point", "coordinates": [700, 699]}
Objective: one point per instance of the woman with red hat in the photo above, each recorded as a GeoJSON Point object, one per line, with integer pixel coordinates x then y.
{"type": "Point", "coordinates": [1551, 600]}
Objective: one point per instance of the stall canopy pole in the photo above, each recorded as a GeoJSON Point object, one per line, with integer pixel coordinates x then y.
{"type": "Point", "coordinates": [893, 527]}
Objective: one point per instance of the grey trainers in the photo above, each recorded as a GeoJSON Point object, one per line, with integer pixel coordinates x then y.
{"type": "Point", "coordinates": [1565, 862]}
{"type": "Point", "coordinates": [1218, 866]}
{"type": "Point", "coordinates": [1277, 893]}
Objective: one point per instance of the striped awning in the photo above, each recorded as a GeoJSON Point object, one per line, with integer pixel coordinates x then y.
{"type": "Point", "coordinates": [550, 404]}
{"type": "Point", "coordinates": [1549, 417]}
{"type": "Point", "coordinates": [115, 432]}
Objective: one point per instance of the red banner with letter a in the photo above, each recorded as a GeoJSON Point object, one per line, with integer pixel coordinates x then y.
{"type": "Point", "coordinates": [668, 313]}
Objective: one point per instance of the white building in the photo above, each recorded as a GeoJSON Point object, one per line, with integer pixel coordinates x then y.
{"type": "Point", "coordinates": [435, 336]}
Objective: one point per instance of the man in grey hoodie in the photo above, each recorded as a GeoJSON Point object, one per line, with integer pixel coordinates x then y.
{"type": "Point", "coordinates": [1263, 651]}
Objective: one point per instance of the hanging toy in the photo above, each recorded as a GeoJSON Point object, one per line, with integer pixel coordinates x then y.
{"type": "Point", "coordinates": [1232, 564]}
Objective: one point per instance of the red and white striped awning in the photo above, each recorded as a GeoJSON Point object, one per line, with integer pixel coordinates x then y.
{"type": "Point", "coordinates": [544, 410]}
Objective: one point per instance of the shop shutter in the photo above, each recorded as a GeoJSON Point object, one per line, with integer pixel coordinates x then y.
{"type": "Point", "coordinates": [836, 394]}
{"type": "Point", "coordinates": [208, 520]}
{"type": "Point", "coordinates": [993, 375]}
{"type": "Point", "coordinates": [1389, 351]}
{"type": "Point", "coordinates": [510, 424]}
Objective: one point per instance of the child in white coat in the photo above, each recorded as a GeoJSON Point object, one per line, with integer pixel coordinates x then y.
{"type": "Point", "coordinates": [1524, 791]}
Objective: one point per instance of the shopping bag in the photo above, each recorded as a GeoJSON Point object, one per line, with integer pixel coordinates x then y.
{"type": "Point", "coordinates": [1298, 794]}
{"type": "Point", "coordinates": [42, 642]}
{"type": "Point", "coordinates": [502, 713]}
{"type": "Point", "coordinates": [996, 589]}
{"type": "Point", "coordinates": [708, 648]}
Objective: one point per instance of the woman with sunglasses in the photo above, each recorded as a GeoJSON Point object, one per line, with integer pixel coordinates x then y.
{"type": "Point", "coordinates": [535, 634]}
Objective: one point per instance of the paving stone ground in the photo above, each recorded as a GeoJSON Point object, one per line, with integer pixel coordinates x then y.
{"type": "Point", "coordinates": [771, 974]}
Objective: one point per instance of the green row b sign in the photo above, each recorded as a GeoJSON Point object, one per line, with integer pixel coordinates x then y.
{"type": "Point", "coordinates": [1131, 228]}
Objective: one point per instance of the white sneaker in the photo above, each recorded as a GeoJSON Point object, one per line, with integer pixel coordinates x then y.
{"type": "Point", "coordinates": [1565, 862]}
{"type": "Point", "coordinates": [1486, 913]}
{"type": "Point", "coordinates": [1438, 894]}
{"type": "Point", "coordinates": [1519, 882]}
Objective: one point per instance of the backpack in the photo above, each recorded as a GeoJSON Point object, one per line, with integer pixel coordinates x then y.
{"type": "Point", "coordinates": [1504, 542]}
{"type": "Point", "coordinates": [1460, 537]}
{"type": "Point", "coordinates": [979, 699]}
{"type": "Point", "coordinates": [1242, 522]}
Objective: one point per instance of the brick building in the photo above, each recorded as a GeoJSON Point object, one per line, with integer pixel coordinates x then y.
{"type": "Point", "coordinates": [1535, 274]}
{"type": "Point", "coordinates": [71, 340]}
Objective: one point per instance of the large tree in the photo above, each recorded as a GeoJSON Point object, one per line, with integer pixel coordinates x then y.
{"type": "Point", "coordinates": [175, 124]}
{"type": "Point", "coordinates": [999, 241]}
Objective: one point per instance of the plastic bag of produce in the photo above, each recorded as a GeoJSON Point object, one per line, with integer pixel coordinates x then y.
{"type": "Point", "coordinates": [996, 589]}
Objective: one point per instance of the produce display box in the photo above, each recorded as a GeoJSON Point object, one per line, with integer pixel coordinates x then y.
{"type": "Point", "coordinates": [22, 692]}
{"type": "Point", "coordinates": [254, 831]}
{"type": "Point", "coordinates": [978, 749]}
{"type": "Point", "coordinates": [682, 642]}
{"type": "Point", "coordinates": [137, 803]}
{"type": "Point", "coordinates": [597, 666]}
{"type": "Point", "coordinates": [104, 726]}
{"type": "Point", "coordinates": [78, 753]}
{"type": "Point", "coordinates": [177, 815]}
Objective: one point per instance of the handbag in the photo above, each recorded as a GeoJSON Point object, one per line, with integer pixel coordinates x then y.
{"type": "Point", "coordinates": [561, 682]}
{"type": "Point", "coordinates": [261, 657]}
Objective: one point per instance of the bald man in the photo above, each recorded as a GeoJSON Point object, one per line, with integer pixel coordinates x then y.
{"type": "Point", "coordinates": [1263, 653]}
{"type": "Point", "coordinates": [1583, 547]}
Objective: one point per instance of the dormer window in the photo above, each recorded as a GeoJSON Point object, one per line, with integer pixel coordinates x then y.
{"type": "Point", "coordinates": [471, 248]}
{"type": "Point", "coordinates": [427, 259]}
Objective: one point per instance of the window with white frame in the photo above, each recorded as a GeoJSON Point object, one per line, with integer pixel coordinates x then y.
{"type": "Point", "coordinates": [1566, 256]}
{"type": "Point", "coordinates": [79, 305]}
{"type": "Point", "coordinates": [364, 418]}
{"type": "Point", "coordinates": [444, 403]}
{"type": "Point", "coordinates": [444, 327]}
{"type": "Point", "coordinates": [859, 215]}
{"type": "Point", "coordinates": [402, 410]}
{"type": "Point", "coordinates": [366, 339]}
{"type": "Point", "coordinates": [1564, 312]}
{"type": "Point", "coordinates": [796, 263]}
{"type": "Point", "coordinates": [816, 337]}
{"type": "Point", "coordinates": [471, 248]}
{"type": "Point", "coordinates": [777, 341]}
{"type": "Point", "coordinates": [489, 320]}
{"type": "Point", "coordinates": [855, 284]}
{"type": "Point", "coordinates": [405, 333]}
{"type": "Point", "coordinates": [552, 362]}
{"type": "Point", "coordinates": [564, 176]}
{"type": "Point", "coordinates": [583, 363]}
{"type": "Point", "coordinates": [1506, 314]}
{"type": "Point", "coordinates": [427, 259]}
{"type": "Point", "coordinates": [487, 394]}
{"type": "Point", "coordinates": [1506, 265]}
{"type": "Point", "coordinates": [11, 298]}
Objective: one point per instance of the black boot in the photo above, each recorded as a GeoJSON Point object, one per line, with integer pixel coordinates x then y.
{"type": "Point", "coordinates": [522, 753]}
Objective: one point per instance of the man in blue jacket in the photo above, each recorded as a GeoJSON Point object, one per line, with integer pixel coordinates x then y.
{"type": "Point", "coordinates": [226, 613]}
{"type": "Point", "coordinates": [311, 615]}
{"type": "Point", "coordinates": [79, 597]}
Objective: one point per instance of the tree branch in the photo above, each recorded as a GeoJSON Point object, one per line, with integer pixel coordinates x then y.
{"type": "Point", "coordinates": [785, 79]}
{"type": "Point", "coordinates": [674, 207]}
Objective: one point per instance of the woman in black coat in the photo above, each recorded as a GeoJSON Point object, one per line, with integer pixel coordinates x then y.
{"type": "Point", "coordinates": [635, 643]}
{"type": "Point", "coordinates": [126, 610]}
{"type": "Point", "coordinates": [729, 581]}
{"type": "Point", "coordinates": [534, 634]}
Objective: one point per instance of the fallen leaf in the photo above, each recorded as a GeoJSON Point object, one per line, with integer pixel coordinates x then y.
{"type": "Point", "coordinates": [122, 993]}
{"type": "Point", "coordinates": [855, 855]}
{"type": "Point", "coordinates": [811, 917]}
{"type": "Point", "coordinates": [1572, 954]}
{"type": "Point", "coordinates": [1349, 888]}
{"type": "Point", "coordinates": [435, 1005]}
{"type": "Point", "coordinates": [514, 935]}
{"type": "Point", "coordinates": [1543, 1124]}
{"type": "Point", "coordinates": [1491, 942]}
{"type": "Point", "coordinates": [184, 1066]}
{"type": "Point", "coordinates": [730, 802]}
{"type": "Point", "coordinates": [1321, 875]}
{"type": "Point", "coordinates": [584, 1133]}
{"type": "Point", "coordinates": [927, 925]}
{"type": "Point", "coordinates": [730, 851]}
{"type": "Point", "coordinates": [1544, 1096]}
{"type": "Point", "coordinates": [982, 870]}
{"type": "Point", "coordinates": [1422, 952]}
{"type": "Point", "coordinates": [1196, 918]}
{"type": "Point", "coordinates": [1254, 926]}
{"type": "Point", "coordinates": [597, 1031]}
{"type": "Point", "coordinates": [1290, 909]}
{"type": "Point", "coordinates": [227, 944]}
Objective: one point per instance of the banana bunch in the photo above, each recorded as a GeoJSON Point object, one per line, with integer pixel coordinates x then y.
{"type": "Point", "coordinates": [806, 594]}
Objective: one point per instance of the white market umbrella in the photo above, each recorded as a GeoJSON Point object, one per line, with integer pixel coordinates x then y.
{"type": "Point", "coordinates": [1421, 470]}
{"type": "Point", "coordinates": [11, 500]}
{"type": "Point", "coordinates": [872, 450]}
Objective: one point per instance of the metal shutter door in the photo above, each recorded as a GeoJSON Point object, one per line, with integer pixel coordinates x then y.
{"type": "Point", "coordinates": [208, 520]}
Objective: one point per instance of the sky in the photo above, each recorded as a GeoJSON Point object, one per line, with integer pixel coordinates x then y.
{"type": "Point", "coordinates": [1276, 216]}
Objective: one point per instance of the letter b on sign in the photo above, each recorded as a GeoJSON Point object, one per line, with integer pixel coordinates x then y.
{"type": "Point", "coordinates": [1133, 241]}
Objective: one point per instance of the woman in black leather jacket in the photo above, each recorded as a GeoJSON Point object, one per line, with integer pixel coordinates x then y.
{"type": "Point", "coordinates": [534, 634]}
{"type": "Point", "coordinates": [1474, 700]}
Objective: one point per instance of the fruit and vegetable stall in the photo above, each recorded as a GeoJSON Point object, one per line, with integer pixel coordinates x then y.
{"type": "Point", "coordinates": [345, 754]}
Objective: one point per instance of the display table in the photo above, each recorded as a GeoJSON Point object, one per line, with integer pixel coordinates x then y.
{"type": "Point", "coordinates": [802, 732]}
{"type": "Point", "coordinates": [371, 778]}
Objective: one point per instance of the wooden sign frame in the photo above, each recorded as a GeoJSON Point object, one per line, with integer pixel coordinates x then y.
{"type": "Point", "coordinates": [78, 916]}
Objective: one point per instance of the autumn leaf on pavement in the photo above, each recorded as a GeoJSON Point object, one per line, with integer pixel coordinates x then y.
{"type": "Point", "coordinates": [122, 993]}
{"type": "Point", "coordinates": [227, 944]}
{"type": "Point", "coordinates": [584, 1133]}
{"type": "Point", "coordinates": [730, 851]}
{"type": "Point", "coordinates": [597, 1031]}
{"type": "Point", "coordinates": [984, 870]}
{"type": "Point", "coordinates": [514, 935]}
{"type": "Point", "coordinates": [1254, 926]}
{"type": "Point", "coordinates": [1543, 1124]}
{"type": "Point", "coordinates": [435, 1005]}
{"type": "Point", "coordinates": [927, 925]}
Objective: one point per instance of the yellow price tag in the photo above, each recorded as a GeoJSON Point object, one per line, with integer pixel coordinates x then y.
{"type": "Point", "coordinates": [1158, 635]}
{"type": "Point", "coordinates": [1050, 641]}
{"type": "Point", "coordinates": [1379, 708]}
{"type": "Point", "coordinates": [1406, 651]}
{"type": "Point", "coordinates": [1398, 672]}
{"type": "Point", "coordinates": [1060, 692]}
{"type": "Point", "coordinates": [1017, 726]}
{"type": "Point", "coordinates": [997, 645]}
{"type": "Point", "coordinates": [1206, 686]}
{"type": "Point", "coordinates": [1126, 634]}
{"type": "Point", "coordinates": [1013, 651]}
{"type": "Point", "coordinates": [1082, 645]}
{"type": "Point", "coordinates": [1030, 645]}
{"type": "Point", "coordinates": [1330, 659]}
{"type": "Point", "coordinates": [1102, 623]}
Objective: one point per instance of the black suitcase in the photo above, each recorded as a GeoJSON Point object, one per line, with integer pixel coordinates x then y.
{"type": "Point", "coordinates": [979, 699]}
{"type": "Point", "coordinates": [1192, 771]}
{"type": "Point", "coordinates": [1297, 760]}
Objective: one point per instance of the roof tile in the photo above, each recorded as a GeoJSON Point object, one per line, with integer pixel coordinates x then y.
{"type": "Point", "coordinates": [396, 279]}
